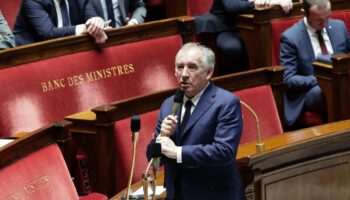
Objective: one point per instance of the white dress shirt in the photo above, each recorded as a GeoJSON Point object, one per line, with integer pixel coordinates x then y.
{"type": "Point", "coordinates": [314, 39]}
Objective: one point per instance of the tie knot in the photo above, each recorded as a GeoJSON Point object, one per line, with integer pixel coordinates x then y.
{"type": "Point", "coordinates": [319, 33]}
{"type": "Point", "coordinates": [188, 104]}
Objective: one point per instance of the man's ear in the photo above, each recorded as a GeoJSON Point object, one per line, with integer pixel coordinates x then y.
{"type": "Point", "coordinates": [209, 73]}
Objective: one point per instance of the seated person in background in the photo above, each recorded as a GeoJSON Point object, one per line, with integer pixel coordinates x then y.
{"type": "Point", "coordinates": [117, 11]}
{"type": "Point", "coordinates": [7, 39]}
{"type": "Point", "coordinates": [221, 20]}
{"type": "Point", "coordinates": [301, 44]}
{"type": "Point", "coordinates": [199, 142]}
{"type": "Point", "coordinates": [40, 20]}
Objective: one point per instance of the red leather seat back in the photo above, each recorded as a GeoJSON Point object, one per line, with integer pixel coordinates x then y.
{"type": "Point", "coordinates": [10, 9]}
{"type": "Point", "coordinates": [198, 7]}
{"type": "Point", "coordinates": [40, 175]}
{"type": "Point", "coordinates": [38, 93]}
{"type": "Point", "coordinates": [343, 15]}
{"type": "Point", "coordinates": [124, 148]}
{"type": "Point", "coordinates": [277, 28]}
{"type": "Point", "coordinates": [262, 101]}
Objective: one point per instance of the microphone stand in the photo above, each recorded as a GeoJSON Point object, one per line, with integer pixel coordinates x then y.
{"type": "Point", "coordinates": [134, 139]}
{"type": "Point", "coordinates": [259, 145]}
{"type": "Point", "coordinates": [145, 182]}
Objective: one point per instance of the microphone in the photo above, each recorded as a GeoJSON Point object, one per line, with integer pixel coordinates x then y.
{"type": "Point", "coordinates": [135, 125]}
{"type": "Point", "coordinates": [155, 151]}
{"type": "Point", "coordinates": [259, 145]}
{"type": "Point", "coordinates": [178, 100]}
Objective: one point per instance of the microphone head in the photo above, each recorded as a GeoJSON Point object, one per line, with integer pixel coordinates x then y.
{"type": "Point", "coordinates": [154, 150]}
{"type": "Point", "coordinates": [179, 96]}
{"type": "Point", "coordinates": [135, 123]}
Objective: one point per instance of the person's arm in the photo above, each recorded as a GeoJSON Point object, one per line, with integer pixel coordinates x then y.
{"type": "Point", "coordinates": [40, 20]}
{"type": "Point", "coordinates": [7, 39]}
{"type": "Point", "coordinates": [139, 12]}
{"type": "Point", "coordinates": [237, 6]}
{"type": "Point", "coordinates": [286, 5]}
{"type": "Point", "coordinates": [289, 59]}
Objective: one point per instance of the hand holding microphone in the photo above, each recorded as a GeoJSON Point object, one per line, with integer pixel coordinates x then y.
{"type": "Point", "coordinates": [169, 123]}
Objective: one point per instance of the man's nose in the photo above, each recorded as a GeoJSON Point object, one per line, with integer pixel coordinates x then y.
{"type": "Point", "coordinates": [185, 72]}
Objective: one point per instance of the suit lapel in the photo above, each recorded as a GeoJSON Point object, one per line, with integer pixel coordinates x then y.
{"type": "Point", "coordinates": [203, 105]}
{"type": "Point", "coordinates": [306, 39]}
{"type": "Point", "coordinates": [332, 35]}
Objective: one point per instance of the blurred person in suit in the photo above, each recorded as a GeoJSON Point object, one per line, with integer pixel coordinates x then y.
{"type": "Point", "coordinates": [40, 20]}
{"type": "Point", "coordinates": [7, 39]}
{"type": "Point", "coordinates": [117, 11]}
{"type": "Point", "coordinates": [221, 21]}
{"type": "Point", "coordinates": [199, 142]}
{"type": "Point", "coordinates": [313, 36]}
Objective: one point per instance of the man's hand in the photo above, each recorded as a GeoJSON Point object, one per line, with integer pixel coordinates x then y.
{"type": "Point", "coordinates": [168, 146]}
{"type": "Point", "coordinates": [168, 125]}
{"type": "Point", "coordinates": [131, 22]}
{"type": "Point", "coordinates": [286, 5]}
{"type": "Point", "coordinates": [95, 26]}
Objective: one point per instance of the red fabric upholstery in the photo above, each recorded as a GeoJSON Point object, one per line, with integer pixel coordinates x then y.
{"type": "Point", "coordinates": [9, 9]}
{"type": "Point", "coordinates": [93, 196]}
{"type": "Point", "coordinates": [277, 28]}
{"type": "Point", "coordinates": [38, 93]}
{"type": "Point", "coordinates": [124, 148]}
{"type": "Point", "coordinates": [343, 15]}
{"type": "Point", "coordinates": [261, 100]}
{"type": "Point", "coordinates": [40, 175]}
{"type": "Point", "coordinates": [198, 7]}
{"type": "Point", "coordinates": [154, 2]}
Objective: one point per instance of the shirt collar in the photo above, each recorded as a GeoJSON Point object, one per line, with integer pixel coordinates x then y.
{"type": "Point", "coordinates": [196, 98]}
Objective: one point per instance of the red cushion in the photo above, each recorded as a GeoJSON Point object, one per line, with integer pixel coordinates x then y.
{"type": "Point", "coordinates": [10, 9]}
{"type": "Point", "coordinates": [277, 28]}
{"type": "Point", "coordinates": [40, 175]}
{"type": "Point", "coordinates": [262, 101]}
{"type": "Point", "coordinates": [308, 119]}
{"type": "Point", "coordinates": [198, 7]}
{"type": "Point", "coordinates": [93, 196]}
{"type": "Point", "coordinates": [124, 147]}
{"type": "Point", "coordinates": [154, 2]}
{"type": "Point", "coordinates": [39, 93]}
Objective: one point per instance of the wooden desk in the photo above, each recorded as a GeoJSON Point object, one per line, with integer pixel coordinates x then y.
{"type": "Point", "coordinates": [311, 163]}
{"type": "Point", "coordinates": [333, 78]}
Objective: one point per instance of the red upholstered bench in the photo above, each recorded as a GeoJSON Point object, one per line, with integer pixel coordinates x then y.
{"type": "Point", "coordinates": [10, 10]}
{"type": "Point", "coordinates": [124, 144]}
{"type": "Point", "coordinates": [32, 167]}
{"type": "Point", "coordinates": [46, 81]}
{"type": "Point", "coordinates": [261, 100]}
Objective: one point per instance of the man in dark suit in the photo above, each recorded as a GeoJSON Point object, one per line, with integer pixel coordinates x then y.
{"type": "Point", "coordinates": [7, 39]}
{"type": "Point", "coordinates": [199, 142]}
{"type": "Point", "coordinates": [120, 9]}
{"type": "Point", "coordinates": [221, 20]}
{"type": "Point", "coordinates": [40, 20]}
{"type": "Point", "coordinates": [300, 46]}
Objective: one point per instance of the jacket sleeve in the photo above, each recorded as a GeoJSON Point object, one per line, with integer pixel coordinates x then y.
{"type": "Point", "coordinates": [7, 39]}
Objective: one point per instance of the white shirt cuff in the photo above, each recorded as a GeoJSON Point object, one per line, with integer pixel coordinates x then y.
{"type": "Point", "coordinates": [80, 29]}
{"type": "Point", "coordinates": [179, 154]}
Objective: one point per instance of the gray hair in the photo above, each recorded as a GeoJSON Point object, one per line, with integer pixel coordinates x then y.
{"type": "Point", "coordinates": [208, 58]}
{"type": "Point", "coordinates": [319, 3]}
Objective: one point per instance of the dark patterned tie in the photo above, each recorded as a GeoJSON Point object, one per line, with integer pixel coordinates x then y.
{"type": "Point", "coordinates": [64, 13]}
{"type": "Point", "coordinates": [188, 106]}
{"type": "Point", "coordinates": [110, 12]}
{"type": "Point", "coordinates": [322, 43]}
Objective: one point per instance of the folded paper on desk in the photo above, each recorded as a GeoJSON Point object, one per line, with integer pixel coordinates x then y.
{"type": "Point", "coordinates": [4, 142]}
{"type": "Point", "coordinates": [138, 194]}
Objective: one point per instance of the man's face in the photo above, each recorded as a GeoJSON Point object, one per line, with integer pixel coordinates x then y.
{"type": "Point", "coordinates": [190, 72]}
{"type": "Point", "coordinates": [318, 17]}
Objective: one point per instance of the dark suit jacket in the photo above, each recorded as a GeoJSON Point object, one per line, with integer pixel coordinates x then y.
{"type": "Point", "coordinates": [135, 7]}
{"type": "Point", "coordinates": [222, 16]}
{"type": "Point", "coordinates": [297, 55]}
{"type": "Point", "coordinates": [209, 147]}
{"type": "Point", "coordinates": [37, 20]}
